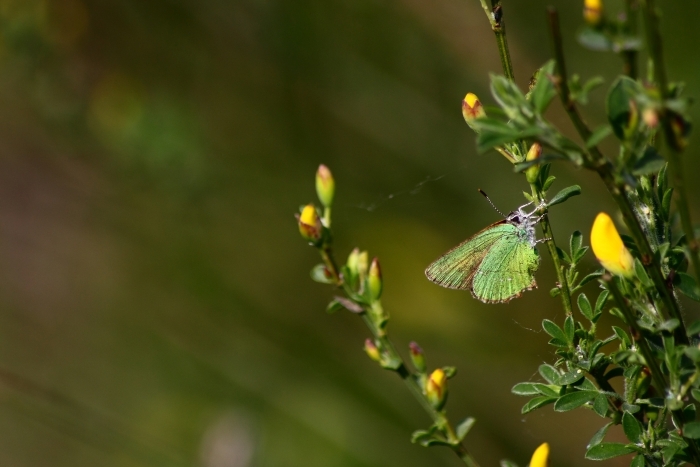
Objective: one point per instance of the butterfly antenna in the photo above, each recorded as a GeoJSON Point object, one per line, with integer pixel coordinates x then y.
{"type": "Point", "coordinates": [490, 202]}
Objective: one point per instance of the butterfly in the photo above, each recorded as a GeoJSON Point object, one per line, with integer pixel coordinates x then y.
{"type": "Point", "coordinates": [496, 264]}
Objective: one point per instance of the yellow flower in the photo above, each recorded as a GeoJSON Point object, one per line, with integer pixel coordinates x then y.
{"type": "Point", "coordinates": [540, 458]}
{"type": "Point", "coordinates": [436, 388]}
{"type": "Point", "coordinates": [608, 247]}
{"type": "Point", "coordinates": [593, 11]}
{"type": "Point", "coordinates": [472, 109]}
{"type": "Point", "coordinates": [534, 153]}
{"type": "Point", "coordinates": [310, 224]}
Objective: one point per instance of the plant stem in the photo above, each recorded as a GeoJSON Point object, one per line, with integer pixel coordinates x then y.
{"type": "Point", "coordinates": [438, 416]}
{"type": "Point", "coordinates": [653, 33]}
{"type": "Point", "coordinates": [630, 56]}
{"type": "Point", "coordinates": [595, 160]}
{"type": "Point", "coordinates": [495, 16]}
{"type": "Point", "coordinates": [501, 40]}
{"type": "Point", "coordinates": [329, 261]}
{"type": "Point", "coordinates": [656, 374]}
{"type": "Point", "coordinates": [552, 247]}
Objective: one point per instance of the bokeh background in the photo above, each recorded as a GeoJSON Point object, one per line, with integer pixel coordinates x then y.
{"type": "Point", "coordinates": [155, 302]}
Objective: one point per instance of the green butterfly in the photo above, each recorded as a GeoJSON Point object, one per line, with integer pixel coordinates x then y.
{"type": "Point", "coordinates": [497, 264]}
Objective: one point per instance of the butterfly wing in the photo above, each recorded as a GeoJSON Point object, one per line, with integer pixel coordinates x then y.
{"type": "Point", "coordinates": [456, 268]}
{"type": "Point", "coordinates": [507, 270]}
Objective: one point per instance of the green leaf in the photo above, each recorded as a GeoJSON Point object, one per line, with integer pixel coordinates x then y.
{"type": "Point", "coordinates": [669, 325]}
{"type": "Point", "coordinates": [642, 274]}
{"type": "Point", "coordinates": [549, 373]}
{"type": "Point", "coordinates": [599, 436]}
{"type": "Point", "coordinates": [604, 451]}
{"type": "Point", "coordinates": [574, 400]}
{"type": "Point", "coordinates": [565, 194]}
{"type": "Point", "coordinates": [594, 39]}
{"type": "Point", "coordinates": [598, 135]}
{"type": "Point", "coordinates": [464, 426]}
{"type": "Point", "coordinates": [692, 430]}
{"type": "Point", "coordinates": [687, 285]}
{"type": "Point", "coordinates": [622, 335]}
{"type": "Point", "coordinates": [585, 306]}
{"type": "Point", "coordinates": [638, 461]}
{"type": "Point", "coordinates": [695, 393]}
{"type": "Point", "coordinates": [536, 403]}
{"type": "Point", "coordinates": [524, 389]}
{"type": "Point", "coordinates": [631, 427]}
{"type": "Point", "coordinates": [334, 306]}
{"type": "Point", "coordinates": [450, 371]}
{"type": "Point", "coordinates": [554, 292]}
{"type": "Point", "coordinates": [600, 405]}
{"type": "Point", "coordinates": [543, 92]}
{"type": "Point", "coordinates": [590, 277]}
{"type": "Point", "coordinates": [570, 377]}
{"type": "Point", "coordinates": [548, 182]}
{"type": "Point", "coordinates": [623, 90]}
{"type": "Point", "coordinates": [575, 242]}
{"type": "Point", "coordinates": [553, 330]}
{"type": "Point", "coordinates": [319, 273]}
{"type": "Point", "coordinates": [692, 353]}
{"type": "Point", "coordinates": [507, 463]}
{"type": "Point", "coordinates": [569, 329]}
{"type": "Point", "coordinates": [650, 162]}
{"type": "Point", "coordinates": [666, 203]}
{"type": "Point", "coordinates": [694, 328]}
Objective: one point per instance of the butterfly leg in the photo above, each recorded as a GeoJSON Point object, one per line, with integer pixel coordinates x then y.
{"type": "Point", "coordinates": [542, 240]}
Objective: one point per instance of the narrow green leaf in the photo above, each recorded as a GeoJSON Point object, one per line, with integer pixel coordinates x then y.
{"type": "Point", "coordinates": [536, 403]}
{"type": "Point", "coordinates": [599, 134]}
{"type": "Point", "coordinates": [638, 461]}
{"type": "Point", "coordinates": [543, 92]}
{"type": "Point", "coordinates": [687, 285]}
{"type": "Point", "coordinates": [585, 306]}
{"type": "Point", "coordinates": [604, 451]}
{"type": "Point", "coordinates": [570, 377]}
{"type": "Point", "coordinates": [631, 427]}
{"type": "Point", "coordinates": [599, 436]}
{"type": "Point", "coordinates": [549, 373]}
{"type": "Point", "coordinates": [670, 325]}
{"type": "Point", "coordinates": [696, 394]}
{"type": "Point", "coordinates": [554, 292]}
{"type": "Point", "coordinates": [548, 182]}
{"type": "Point", "coordinates": [565, 194]}
{"type": "Point", "coordinates": [450, 371]}
{"type": "Point", "coordinates": [569, 329]}
{"type": "Point", "coordinates": [575, 242]}
{"type": "Point", "coordinates": [666, 203]}
{"type": "Point", "coordinates": [622, 335]}
{"type": "Point", "coordinates": [524, 389]}
{"type": "Point", "coordinates": [694, 328]}
{"type": "Point", "coordinates": [334, 306]}
{"type": "Point", "coordinates": [553, 330]}
{"type": "Point", "coordinates": [464, 426]}
{"type": "Point", "coordinates": [600, 405]}
{"type": "Point", "coordinates": [692, 430]}
{"type": "Point", "coordinates": [650, 162]}
{"type": "Point", "coordinates": [623, 90]}
{"type": "Point", "coordinates": [602, 298]}
{"type": "Point", "coordinates": [574, 400]}
{"type": "Point", "coordinates": [642, 274]}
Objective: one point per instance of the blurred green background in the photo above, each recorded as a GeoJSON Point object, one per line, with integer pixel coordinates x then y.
{"type": "Point", "coordinates": [156, 307]}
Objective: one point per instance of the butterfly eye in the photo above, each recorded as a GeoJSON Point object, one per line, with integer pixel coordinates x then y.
{"type": "Point", "coordinates": [515, 219]}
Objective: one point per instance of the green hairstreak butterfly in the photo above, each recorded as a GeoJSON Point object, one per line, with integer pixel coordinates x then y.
{"type": "Point", "coordinates": [496, 264]}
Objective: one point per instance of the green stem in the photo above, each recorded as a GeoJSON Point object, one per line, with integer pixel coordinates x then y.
{"type": "Point", "coordinates": [657, 376]}
{"type": "Point", "coordinates": [552, 247]}
{"type": "Point", "coordinates": [499, 30]}
{"type": "Point", "coordinates": [653, 33]}
{"type": "Point", "coordinates": [495, 16]}
{"type": "Point", "coordinates": [630, 56]}
{"type": "Point", "coordinates": [438, 416]}
{"type": "Point", "coordinates": [595, 160]}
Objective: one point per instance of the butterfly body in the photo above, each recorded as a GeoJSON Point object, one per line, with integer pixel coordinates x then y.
{"type": "Point", "coordinates": [496, 264]}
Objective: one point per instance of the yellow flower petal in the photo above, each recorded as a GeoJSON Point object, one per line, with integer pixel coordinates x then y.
{"type": "Point", "coordinates": [593, 11]}
{"type": "Point", "coordinates": [608, 247]}
{"type": "Point", "coordinates": [540, 458]}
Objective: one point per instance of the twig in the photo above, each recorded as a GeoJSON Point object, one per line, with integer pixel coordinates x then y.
{"type": "Point", "coordinates": [651, 20]}
{"type": "Point", "coordinates": [595, 160]}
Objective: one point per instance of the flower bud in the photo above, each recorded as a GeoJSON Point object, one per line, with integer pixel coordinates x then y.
{"type": "Point", "coordinates": [310, 224]}
{"type": "Point", "coordinates": [540, 458]}
{"type": "Point", "coordinates": [436, 388]}
{"type": "Point", "coordinates": [362, 265]}
{"type": "Point", "coordinates": [593, 12]}
{"type": "Point", "coordinates": [534, 153]}
{"type": "Point", "coordinates": [417, 357]}
{"type": "Point", "coordinates": [472, 109]}
{"type": "Point", "coordinates": [374, 280]}
{"type": "Point", "coordinates": [372, 351]}
{"type": "Point", "coordinates": [650, 117]}
{"type": "Point", "coordinates": [352, 261]}
{"type": "Point", "coordinates": [325, 185]}
{"type": "Point", "coordinates": [608, 247]}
